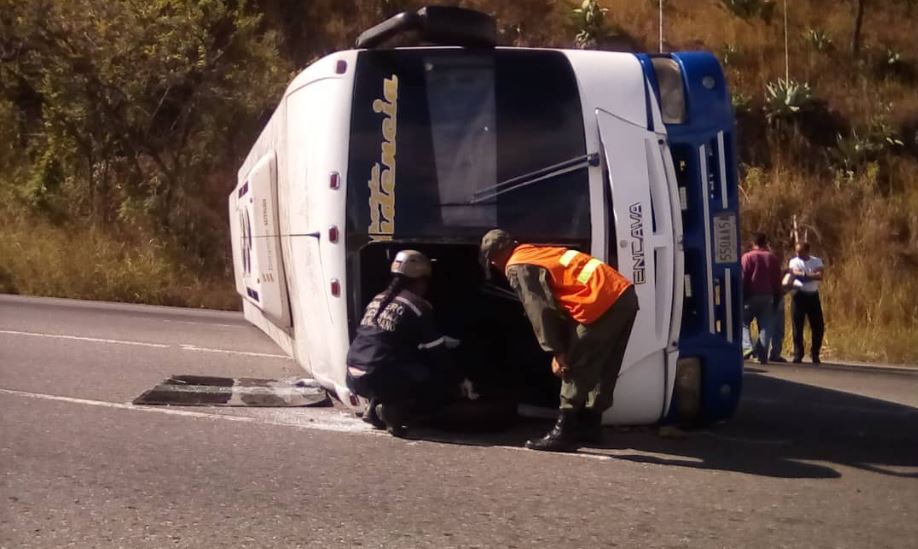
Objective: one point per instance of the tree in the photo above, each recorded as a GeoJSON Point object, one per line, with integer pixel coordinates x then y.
{"type": "Point", "coordinates": [139, 101]}
{"type": "Point", "coordinates": [858, 22]}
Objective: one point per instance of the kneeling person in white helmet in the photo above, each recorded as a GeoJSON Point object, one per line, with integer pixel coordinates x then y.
{"type": "Point", "coordinates": [398, 359]}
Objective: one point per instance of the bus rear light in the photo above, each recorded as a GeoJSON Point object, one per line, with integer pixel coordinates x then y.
{"type": "Point", "coordinates": [333, 234]}
{"type": "Point", "coordinates": [334, 181]}
{"type": "Point", "coordinates": [341, 66]}
{"type": "Point", "coordinates": [354, 401]}
{"type": "Point", "coordinates": [335, 288]}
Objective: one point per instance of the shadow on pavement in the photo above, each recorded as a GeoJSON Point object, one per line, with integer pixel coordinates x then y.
{"type": "Point", "coordinates": [781, 429]}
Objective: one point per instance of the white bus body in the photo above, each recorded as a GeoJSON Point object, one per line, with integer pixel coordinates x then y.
{"type": "Point", "coordinates": [289, 211]}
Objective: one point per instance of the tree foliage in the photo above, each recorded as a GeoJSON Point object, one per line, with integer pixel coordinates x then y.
{"type": "Point", "coordinates": [131, 107]}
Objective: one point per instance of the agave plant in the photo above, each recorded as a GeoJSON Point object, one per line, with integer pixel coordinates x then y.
{"type": "Point", "coordinates": [786, 99]}
{"type": "Point", "coordinates": [819, 40]}
{"type": "Point", "coordinates": [856, 150]}
{"type": "Point", "coordinates": [849, 154]}
{"type": "Point", "coordinates": [892, 63]}
{"type": "Point", "coordinates": [880, 132]}
{"type": "Point", "coordinates": [742, 103]}
{"type": "Point", "coordinates": [590, 19]}
{"type": "Point", "coordinates": [731, 54]}
{"type": "Point", "coordinates": [893, 57]}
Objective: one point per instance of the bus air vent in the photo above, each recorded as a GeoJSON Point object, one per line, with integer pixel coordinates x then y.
{"type": "Point", "coordinates": [439, 25]}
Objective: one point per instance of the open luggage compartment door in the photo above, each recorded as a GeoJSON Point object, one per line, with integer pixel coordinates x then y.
{"type": "Point", "coordinates": [646, 249]}
{"type": "Point", "coordinates": [256, 243]}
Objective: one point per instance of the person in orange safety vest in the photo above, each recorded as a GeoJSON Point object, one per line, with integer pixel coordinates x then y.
{"type": "Point", "coordinates": [581, 311]}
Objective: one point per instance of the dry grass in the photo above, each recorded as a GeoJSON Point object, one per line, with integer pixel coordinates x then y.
{"type": "Point", "coordinates": [869, 244]}
{"type": "Point", "coordinates": [84, 262]}
{"type": "Point", "coordinates": [866, 229]}
{"type": "Point", "coordinates": [759, 57]}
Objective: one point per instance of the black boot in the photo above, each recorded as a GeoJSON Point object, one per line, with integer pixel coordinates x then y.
{"type": "Point", "coordinates": [590, 426]}
{"type": "Point", "coordinates": [371, 415]}
{"type": "Point", "coordinates": [393, 415]}
{"type": "Point", "coordinates": [562, 438]}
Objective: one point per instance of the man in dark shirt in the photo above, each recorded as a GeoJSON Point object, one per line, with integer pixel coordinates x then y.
{"type": "Point", "coordinates": [761, 292]}
{"type": "Point", "coordinates": [398, 358]}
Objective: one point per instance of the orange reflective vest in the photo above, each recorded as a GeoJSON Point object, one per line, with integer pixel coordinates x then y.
{"type": "Point", "coordinates": [585, 286]}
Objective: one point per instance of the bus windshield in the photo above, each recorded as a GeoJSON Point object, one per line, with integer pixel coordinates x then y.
{"type": "Point", "coordinates": [432, 130]}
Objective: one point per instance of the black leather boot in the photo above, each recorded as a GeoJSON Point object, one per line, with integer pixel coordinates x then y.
{"type": "Point", "coordinates": [590, 426]}
{"type": "Point", "coordinates": [564, 436]}
{"type": "Point", "coordinates": [371, 415]}
{"type": "Point", "coordinates": [394, 415]}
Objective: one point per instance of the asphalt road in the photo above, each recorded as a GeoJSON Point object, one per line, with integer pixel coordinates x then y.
{"type": "Point", "coordinates": [814, 458]}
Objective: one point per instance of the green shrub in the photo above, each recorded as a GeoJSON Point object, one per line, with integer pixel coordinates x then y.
{"type": "Point", "coordinates": [749, 9]}
{"type": "Point", "coordinates": [856, 151]}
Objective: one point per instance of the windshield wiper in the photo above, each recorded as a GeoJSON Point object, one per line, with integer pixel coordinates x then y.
{"type": "Point", "coordinates": [525, 180]}
{"type": "Point", "coordinates": [531, 178]}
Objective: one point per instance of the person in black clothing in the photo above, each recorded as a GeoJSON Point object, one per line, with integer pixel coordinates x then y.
{"type": "Point", "coordinates": [398, 359]}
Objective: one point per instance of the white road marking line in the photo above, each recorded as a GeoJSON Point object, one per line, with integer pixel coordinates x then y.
{"type": "Point", "coordinates": [82, 338]}
{"type": "Point", "coordinates": [183, 346]}
{"type": "Point", "coordinates": [346, 425]}
{"type": "Point", "coordinates": [201, 323]}
{"type": "Point", "coordinates": [338, 422]}
{"type": "Point", "coordinates": [187, 347]}
{"type": "Point", "coordinates": [120, 406]}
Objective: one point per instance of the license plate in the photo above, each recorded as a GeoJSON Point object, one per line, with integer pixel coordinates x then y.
{"type": "Point", "coordinates": [725, 239]}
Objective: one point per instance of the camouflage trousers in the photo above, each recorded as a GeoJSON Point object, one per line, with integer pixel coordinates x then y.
{"type": "Point", "coordinates": [595, 356]}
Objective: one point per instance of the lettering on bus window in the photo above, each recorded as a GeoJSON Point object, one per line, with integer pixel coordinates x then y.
{"type": "Point", "coordinates": [382, 175]}
{"type": "Point", "coordinates": [638, 263]}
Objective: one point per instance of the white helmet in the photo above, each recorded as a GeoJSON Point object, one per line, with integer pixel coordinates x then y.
{"type": "Point", "coordinates": [411, 264]}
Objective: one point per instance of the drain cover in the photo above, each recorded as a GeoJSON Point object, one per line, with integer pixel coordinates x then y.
{"type": "Point", "coordinates": [228, 391]}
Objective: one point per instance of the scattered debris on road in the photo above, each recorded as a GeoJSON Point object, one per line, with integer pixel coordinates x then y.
{"type": "Point", "coordinates": [183, 390]}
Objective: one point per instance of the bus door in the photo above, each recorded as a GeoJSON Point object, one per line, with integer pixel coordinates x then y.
{"type": "Point", "coordinates": [647, 237]}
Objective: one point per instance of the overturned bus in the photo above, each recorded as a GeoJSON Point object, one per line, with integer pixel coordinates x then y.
{"type": "Point", "coordinates": [629, 157]}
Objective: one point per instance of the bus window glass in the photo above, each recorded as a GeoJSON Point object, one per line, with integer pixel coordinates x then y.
{"type": "Point", "coordinates": [460, 97]}
{"type": "Point", "coordinates": [429, 128]}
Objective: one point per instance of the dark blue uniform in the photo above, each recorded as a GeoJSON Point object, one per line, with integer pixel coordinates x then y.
{"type": "Point", "coordinates": [398, 352]}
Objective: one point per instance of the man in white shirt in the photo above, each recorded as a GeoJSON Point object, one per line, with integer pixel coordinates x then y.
{"type": "Point", "coordinates": [808, 271]}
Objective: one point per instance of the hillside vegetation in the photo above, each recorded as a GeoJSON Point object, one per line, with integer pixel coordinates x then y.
{"type": "Point", "coordinates": [122, 123]}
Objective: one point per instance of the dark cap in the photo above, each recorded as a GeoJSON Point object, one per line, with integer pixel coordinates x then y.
{"type": "Point", "coordinates": [494, 242]}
